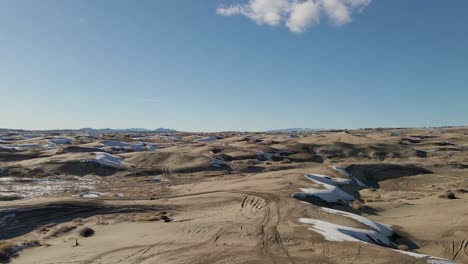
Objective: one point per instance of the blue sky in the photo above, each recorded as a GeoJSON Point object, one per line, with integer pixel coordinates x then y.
{"type": "Point", "coordinates": [186, 65]}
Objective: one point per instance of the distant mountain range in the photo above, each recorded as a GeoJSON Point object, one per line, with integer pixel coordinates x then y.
{"type": "Point", "coordinates": [291, 130]}
{"type": "Point", "coordinates": [127, 130]}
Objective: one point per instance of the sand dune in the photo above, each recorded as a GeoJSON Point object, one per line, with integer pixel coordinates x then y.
{"type": "Point", "coordinates": [361, 196]}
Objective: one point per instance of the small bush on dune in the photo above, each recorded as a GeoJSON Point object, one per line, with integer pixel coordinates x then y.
{"type": "Point", "coordinates": [86, 232]}
{"type": "Point", "coordinates": [5, 249]}
{"type": "Point", "coordinates": [9, 249]}
{"type": "Point", "coordinates": [448, 195]}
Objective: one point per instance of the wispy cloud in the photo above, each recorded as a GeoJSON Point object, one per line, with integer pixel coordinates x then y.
{"type": "Point", "coordinates": [296, 15]}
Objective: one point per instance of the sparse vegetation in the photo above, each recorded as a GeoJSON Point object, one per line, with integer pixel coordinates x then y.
{"type": "Point", "coordinates": [5, 249]}
{"type": "Point", "coordinates": [10, 198]}
{"type": "Point", "coordinates": [59, 230]}
{"type": "Point", "coordinates": [403, 247]}
{"type": "Point", "coordinates": [448, 195]}
{"type": "Point", "coordinates": [357, 205]}
{"type": "Point", "coordinates": [86, 232]}
{"type": "Point", "coordinates": [9, 248]}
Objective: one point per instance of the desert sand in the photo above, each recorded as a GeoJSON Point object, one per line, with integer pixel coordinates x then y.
{"type": "Point", "coordinates": [357, 196]}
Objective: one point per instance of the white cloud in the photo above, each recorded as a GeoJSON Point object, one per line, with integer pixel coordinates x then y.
{"type": "Point", "coordinates": [302, 15]}
{"type": "Point", "coordinates": [297, 15]}
{"type": "Point", "coordinates": [337, 11]}
{"type": "Point", "coordinates": [269, 12]}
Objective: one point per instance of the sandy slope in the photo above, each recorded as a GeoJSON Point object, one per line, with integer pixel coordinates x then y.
{"type": "Point", "coordinates": [243, 212]}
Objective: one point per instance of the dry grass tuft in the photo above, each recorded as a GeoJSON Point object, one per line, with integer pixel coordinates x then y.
{"type": "Point", "coordinates": [86, 232]}
{"type": "Point", "coordinates": [5, 248]}
{"type": "Point", "coordinates": [166, 218]}
{"type": "Point", "coordinates": [357, 205]}
{"type": "Point", "coordinates": [403, 247]}
{"type": "Point", "coordinates": [59, 231]}
{"type": "Point", "coordinates": [448, 195]}
{"type": "Point", "coordinates": [152, 217]}
{"type": "Point", "coordinates": [9, 249]}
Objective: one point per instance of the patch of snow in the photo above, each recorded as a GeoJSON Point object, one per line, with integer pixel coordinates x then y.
{"type": "Point", "coordinates": [212, 138]}
{"type": "Point", "coordinates": [116, 143]}
{"type": "Point", "coordinates": [165, 137]}
{"type": "Point", "coordinates": [331, 193]}
{"type": "Point", "coordinates": [344, 172]}
{"type": "Point", "coordinates": [28, 146]}
{"type": "Point", "coordinates": [30, 188]}
{"type": "Point", "coordinates": [21, 147]}
{"type": "Point", "coordinates": [434, 260]}
{"type": "Point", "coordinates": [60, 141]}
{"type": "Point", "coordinates": [339, 233]}
{"type": "Point", "coordinates": [381, 228]}
{"type": "Point", "coordinates": [430, 259]}
{"type": "Point", "coordinates": [151, 147]}
{"type": "Point", "coordinates": [124, 145]}
{"type": "Point", "coordinates": [92, 194]}
{"type": "Point", "coordinates": [334, 232]}
{"type": "Point", "coordinates": [108, 160]}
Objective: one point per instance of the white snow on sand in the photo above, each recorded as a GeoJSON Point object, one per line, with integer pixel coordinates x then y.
{"type": "Point", "coordinates": [331, 191]}
{"type": "Point", "coordinates": [430, 259]}
{"type": "Point", "coordinates": [92, 194]}
{"type": "Point", "coordinates": [345, 173]}
{"type": "Point", "coordinates": [140, 146]}
{"type": "Point", "coordinates": [381, 228]}
{"type": "Point", "coordinates": [60, 141]}
{"type": "Point", "coordinates": [121, 144]}
{"type": "Point", "coordinates": [32, 187]}
{"type": "Point", "coordinates": [212, 138]}
{"type": "Point", "coordinates": [23, 147]}
{"type": "Point", "coordinates": [108, 160]}
{"type": "Point", "coordinates": [334, 232]}
{"type": "Point", "coordinates": [28, 146]}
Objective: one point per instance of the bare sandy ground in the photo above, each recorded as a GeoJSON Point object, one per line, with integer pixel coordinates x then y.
{"type": "Point", "coordinates": [228, 198]}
